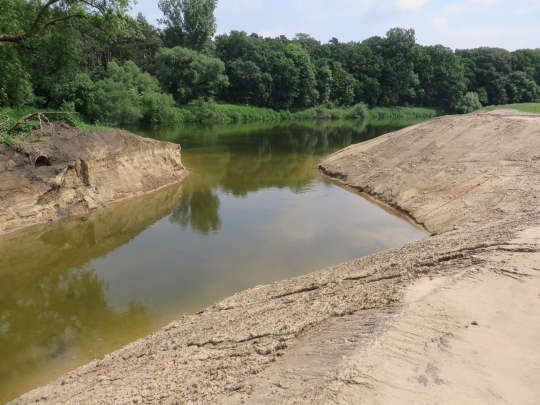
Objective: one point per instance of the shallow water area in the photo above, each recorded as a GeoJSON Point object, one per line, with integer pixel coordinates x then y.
{"type": "Point", "coordinates": [254, 210]}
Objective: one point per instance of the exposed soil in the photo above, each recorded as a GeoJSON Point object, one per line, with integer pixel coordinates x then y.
{"type": "Point", "coordinates": [62, 172]}
{"type": "Point", "coordinates": [450, 319]}
{"type": "Point", "coordinates": [452, 171]}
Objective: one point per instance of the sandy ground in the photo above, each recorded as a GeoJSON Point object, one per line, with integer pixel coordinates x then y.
{"type": "Point", "coordinates": [451, 319]}
{"type": "Point", "coordinates": [59, 172]}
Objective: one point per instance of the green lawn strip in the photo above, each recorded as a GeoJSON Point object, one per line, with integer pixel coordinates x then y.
{"type": "Point", "coordinates": [533, 108]}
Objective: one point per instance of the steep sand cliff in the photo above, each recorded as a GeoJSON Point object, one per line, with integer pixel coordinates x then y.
{"type": "Point", "coordinates": [65, 173]}
{"type": "Point", "coordinates": [451, 319]}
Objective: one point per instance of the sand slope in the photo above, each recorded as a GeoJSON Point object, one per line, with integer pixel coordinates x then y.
{"type": "Point", "coordinates": [450, 171]}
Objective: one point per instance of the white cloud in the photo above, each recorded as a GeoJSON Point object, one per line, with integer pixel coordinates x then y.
{"type": "Point", "coordinates": [486, 2]}
{"type": "Point", "coordinates": [411, 4]}
{"type": "Point", "coordinates": [439, 21]}
{"type": "Point", "coordinates": [237, 6]}
{"type": "Point", "coordinates": [522, 11]}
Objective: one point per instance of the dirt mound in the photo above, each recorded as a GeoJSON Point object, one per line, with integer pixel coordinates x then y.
{"type": "Point", "coordinates": [64, 173]}
{"type": "Point", "coordinates": [451, 171]}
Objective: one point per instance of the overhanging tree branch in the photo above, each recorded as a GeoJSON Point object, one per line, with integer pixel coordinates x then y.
{"type": "Point", "coordinates": [76, 9]}
{"type": "Point", "coordinates": [56, 21]}
{"type": "Point", "coordinates": [23, 37]}
{"type": "Point", "coordinates": [93, 5]}
{"type": "Point", "coordinates": [12, 38]}
{"type": "Point", "coordinates": [40, 15]}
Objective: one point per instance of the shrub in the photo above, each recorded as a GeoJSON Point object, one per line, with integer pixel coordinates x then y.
{"type": "Point", "coordinates": [469, 103]}
{"type": "Point", "coordinates": [206, 111]}
{"type": "Point", "coordinates": [158, 107]}
{"type": "Point", "coordinates": [116, 103]}
{"type": "Point", "coordinates": [336, 114]}
{"type": "Point", "coordinates": [127, 94]}
{"type": "Point", "coordinates": [359, 111]}
{"type": "Point", "coordinates": [6, 139]}
{"type": "Point", "coordinates": [72, 93]}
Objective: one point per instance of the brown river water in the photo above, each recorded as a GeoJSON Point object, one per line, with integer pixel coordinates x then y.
{"type": "Point", "coordinates": [254, 210]}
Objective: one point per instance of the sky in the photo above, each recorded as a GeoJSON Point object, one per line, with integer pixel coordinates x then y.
{"type": "Point", "coordinates": [458, 24]}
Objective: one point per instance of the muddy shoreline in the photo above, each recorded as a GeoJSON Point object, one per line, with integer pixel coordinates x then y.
{"type": "Point", "coordinates": [449, 319]}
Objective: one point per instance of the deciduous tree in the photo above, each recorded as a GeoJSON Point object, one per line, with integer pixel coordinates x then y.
{"type": "Point", "coordinates": [188, 23]}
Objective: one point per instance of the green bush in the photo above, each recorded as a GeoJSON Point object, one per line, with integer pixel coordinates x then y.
{"type": "Point", "coordinates": [359, 111]}
{"type": "Point", "coordinates": [28, 126]}
{"type": "Point", "coordinates": [158, 107]}
{"type": "Point", "coordinates": [403, 112]}
{"type": "Point", "coordinates": [72, 93]}
{"type": "Point", "coordinates": [207, 111]}
{"type": "Point", "coordinates": [337, 114]}
{"type": "Point", "coordinates": [127, 95]}
{"type": "Point", "coordinates": [6, 139]}
{"type": "Point", "coordinates": [115, 103]}
{"type": "Point", "coordinates": [285, 115]}
{"type": "Point", "coordinates": [469, 103]}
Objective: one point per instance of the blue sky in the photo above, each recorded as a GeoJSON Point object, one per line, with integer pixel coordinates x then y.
{"type": "Point", "coordinates": [510, 24]}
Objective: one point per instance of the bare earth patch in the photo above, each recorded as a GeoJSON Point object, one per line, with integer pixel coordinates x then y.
{"type": "Point", "coordinates": [63, 173]}
{"type": "Point", "coordinates": [451, 319]}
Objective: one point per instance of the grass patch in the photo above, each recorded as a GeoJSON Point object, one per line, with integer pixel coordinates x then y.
{"type": "Point", "coordinates": [405, 112]}
{"type": "Point", "coordinates": [213, 112]}
{"type": "Point", "coordinates": [19, 135]}
{"type": "Point", "coordinates": [533, 108]}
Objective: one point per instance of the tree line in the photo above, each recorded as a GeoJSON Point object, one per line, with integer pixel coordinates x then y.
{"type": "Point", "coordinates": [93, 58]}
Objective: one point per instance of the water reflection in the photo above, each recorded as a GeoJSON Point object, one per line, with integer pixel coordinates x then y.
{"type": "Point", "coordinates": [254, 210]}
{"type": "Point", "coordinates": [60, 315]}
{"type": "Point", "coordinates": [54, 310]}
{"type": "Point", "coordinates": [240, 158]}
{"type": "Point", "coordinates": [198, 209]}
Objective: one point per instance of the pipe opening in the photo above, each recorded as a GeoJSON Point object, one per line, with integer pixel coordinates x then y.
{"type": "Point", "coordinates": [42, 161]}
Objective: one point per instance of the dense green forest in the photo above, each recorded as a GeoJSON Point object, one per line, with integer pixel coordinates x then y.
{"type": "Point", "coordinates": [93, 58]}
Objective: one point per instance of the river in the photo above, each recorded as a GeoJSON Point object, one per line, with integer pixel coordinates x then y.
{"type": "Point", "coordinates": [253, 210]}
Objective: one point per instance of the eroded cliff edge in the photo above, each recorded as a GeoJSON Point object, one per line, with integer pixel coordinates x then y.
{"type": "Point", "coordinates": [65, 173]}
{"type": "Point", "coordinates": [450, 319]}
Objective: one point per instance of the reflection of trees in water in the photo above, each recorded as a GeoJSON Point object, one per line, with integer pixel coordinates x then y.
{"type": "Point", "coordinates": [198, 209]}
{"type": "Point", "coordinates": [317, 139]}
{"type": "Point", "coordinates": [252, 157]}
{"type": "Point", "coordinates": [283, 156]}
{"type": "Point", "coordinates": [195, 135]}
{"type": "Point", "coordinates": [55, 313]}
{"type": "Point", "coordinates": [52, 304]}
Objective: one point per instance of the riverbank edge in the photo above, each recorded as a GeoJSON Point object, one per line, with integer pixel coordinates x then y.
{"type": "Point", "coordinates": [211, 112]}
{"type": "Point", "coordinates": [59, 173]}
{"type": "Point", "coordinates": [390, 206]}
{"type": "Point", "coordinates": [252, 347]}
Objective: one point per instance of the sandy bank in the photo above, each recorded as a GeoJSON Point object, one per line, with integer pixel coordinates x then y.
{"type": "Point", "coordinates": [452, 171]}
{"type": "Point", "coordinates": [391, 328]}
{"type": "Point", "coordinates": [64, 173]}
